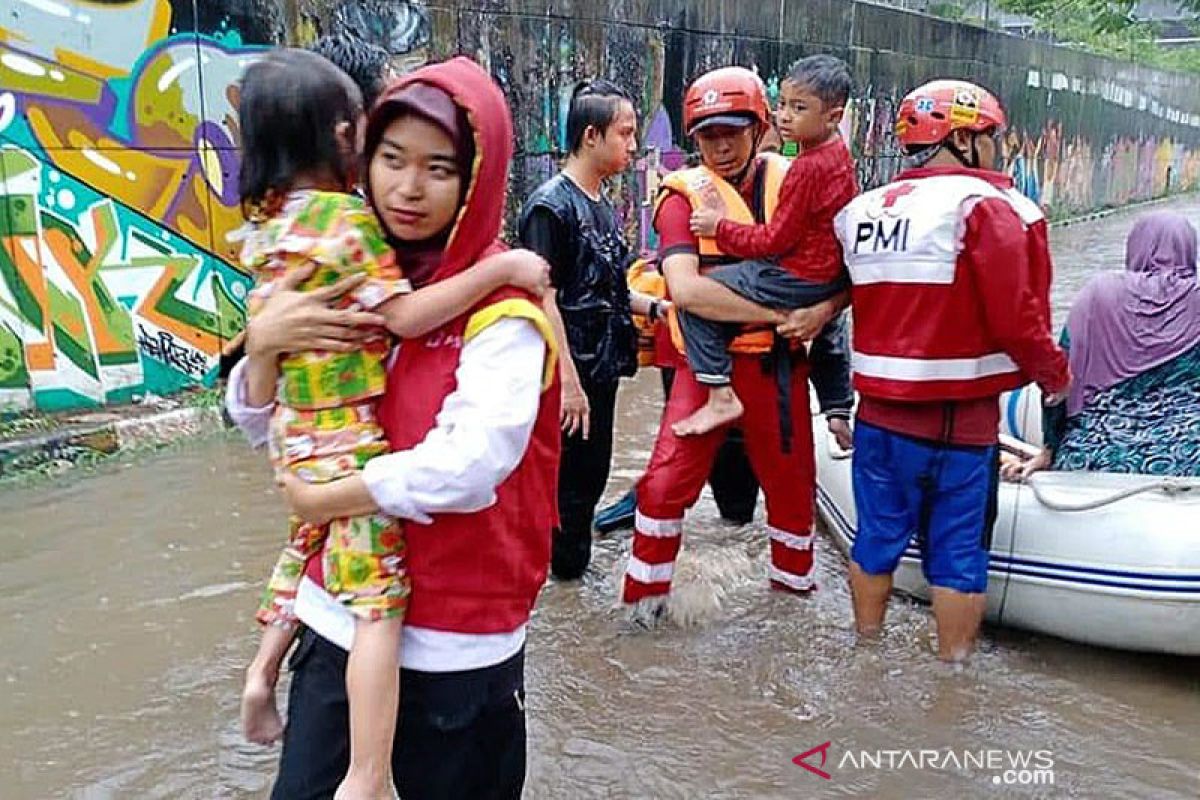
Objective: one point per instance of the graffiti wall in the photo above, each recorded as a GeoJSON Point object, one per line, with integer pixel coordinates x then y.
{"type": "Point", "coordinates": [118, 167]}
{"type": "Point", "coordinates": [119, 140]}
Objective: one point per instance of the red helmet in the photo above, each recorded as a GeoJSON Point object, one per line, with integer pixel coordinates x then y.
{"type": "Point", "coordinates": [726, 96]}
{"type": "Point", "coordinates": [930, 113]}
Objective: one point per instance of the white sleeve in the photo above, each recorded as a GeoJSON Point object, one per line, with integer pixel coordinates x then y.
{"type": "Point", "coordinates": [480, 435]}
{"type": "Point", "coordinates": [254, 423]}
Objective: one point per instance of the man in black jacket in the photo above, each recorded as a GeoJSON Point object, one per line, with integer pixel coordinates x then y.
{"type": "Point", "coordinates": [570, 223]}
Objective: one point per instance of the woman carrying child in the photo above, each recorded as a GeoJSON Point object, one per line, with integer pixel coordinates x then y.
{"type": "Point", "coordinates": [437, 147]}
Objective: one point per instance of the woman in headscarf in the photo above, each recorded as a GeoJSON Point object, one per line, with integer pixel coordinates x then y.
{"type": "Point", "coordinates": [471, 412]}
{"type": "Point", "coordinates": [1133, 340]}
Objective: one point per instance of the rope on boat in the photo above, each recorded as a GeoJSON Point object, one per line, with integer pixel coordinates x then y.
{"type": "Point", "coordinates": [1168, 486]}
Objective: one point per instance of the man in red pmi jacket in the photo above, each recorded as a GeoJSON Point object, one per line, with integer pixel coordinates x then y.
{"type": "Point", "coordinates": [951, 276]}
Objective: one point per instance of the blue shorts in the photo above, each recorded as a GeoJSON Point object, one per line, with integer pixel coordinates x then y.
{"type": "Point", "coordinates": [941, 496]}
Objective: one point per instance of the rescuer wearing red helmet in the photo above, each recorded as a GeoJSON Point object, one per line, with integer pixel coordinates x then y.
{"type": "Point", "coordinates": [727, 113]}
{"type": "Point", "coordinates": [951, 273]}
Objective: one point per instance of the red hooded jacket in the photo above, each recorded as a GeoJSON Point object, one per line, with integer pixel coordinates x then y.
{"type": "Point", "coordinates": [474, 573]}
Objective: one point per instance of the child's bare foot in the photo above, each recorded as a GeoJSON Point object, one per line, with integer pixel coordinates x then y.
{"type": "Point", "coordinates": [365, 785]}
{"type": "Point", "coordinates": [722, 408]}
{"type": "Point", "coordinates": [261, 723]}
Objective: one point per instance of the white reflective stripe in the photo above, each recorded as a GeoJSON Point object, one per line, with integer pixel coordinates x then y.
{"type": "Point", "coordinates": [798, 582]}
{"type": "Point", "coordinates": [898, 269]}
{"type": "Point", "coordinates": [791, 541]}
{"type": "Point", "coordinates": [1028, 210]}
{"type": "Point", "coordinates": [649, 573]}
{"type": "Point", "coordinates": [658, 528]}
{"type": "Point", "coordinates": [932, 369]}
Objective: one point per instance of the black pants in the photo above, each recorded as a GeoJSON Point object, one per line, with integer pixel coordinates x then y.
{"type": "Point", "coordinates": [461, 735]}
{"type": "Point", "coordinates": [707, 342]}
{"type": "Point", "coordinates": [582, 474]}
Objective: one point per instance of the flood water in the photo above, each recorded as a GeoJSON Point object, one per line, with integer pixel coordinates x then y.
{"type": "Point", "coordinates": [126, 619]}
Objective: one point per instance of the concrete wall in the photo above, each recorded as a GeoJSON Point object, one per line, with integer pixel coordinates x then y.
{"type": "Point", "coordinates": [119, 140]}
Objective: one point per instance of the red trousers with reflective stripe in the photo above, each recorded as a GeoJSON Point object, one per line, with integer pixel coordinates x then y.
{"type": "Point", "coordinates": [680, 466]}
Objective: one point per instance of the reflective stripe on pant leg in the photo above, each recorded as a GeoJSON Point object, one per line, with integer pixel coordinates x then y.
{"type": "Point", "coordinates": [791, 558]}
{"type": "Point", "coordinates": [672, 482]}
{"type": "Point", "coordinates": [651, 565]}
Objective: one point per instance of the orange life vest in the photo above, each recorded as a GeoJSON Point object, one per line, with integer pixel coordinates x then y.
{"type": "Point", "coordinates": [704, 188]}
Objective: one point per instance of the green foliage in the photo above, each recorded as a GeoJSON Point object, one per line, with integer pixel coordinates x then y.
{"type": "Point", "coordinates": [1107, 27]}
{"type": "Point", "coordinates": [1097, 16]}
{"type": "Point", "coordinates": [948, 10]}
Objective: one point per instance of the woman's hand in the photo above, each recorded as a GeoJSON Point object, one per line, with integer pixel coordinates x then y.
{"type": "Point", "coordinates": [1014, 470]}
{"type": "Point", "coordinates": [318, 503]}
{"type": "Point", "coordinates": [526, 270]}
{"type": "Point", "coordinates": [305, 499]}
{"type": "Point", "coordinates": [290, 320]}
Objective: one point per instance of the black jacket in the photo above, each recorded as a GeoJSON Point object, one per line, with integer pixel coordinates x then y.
{"type": "Point", "coordinates": [588, 256]}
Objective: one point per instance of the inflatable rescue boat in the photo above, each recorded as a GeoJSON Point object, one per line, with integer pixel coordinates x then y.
{"type": "Point", "coordinates": [1104, 559]}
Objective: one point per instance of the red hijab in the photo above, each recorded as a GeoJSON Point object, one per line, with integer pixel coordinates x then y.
{"type": "Point", "coordinates": [482, 127]}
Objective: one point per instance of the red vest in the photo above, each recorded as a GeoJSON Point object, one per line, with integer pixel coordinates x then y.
{"type": "Point", "coordinates": [475, 573]}
{"type": "Point", "coordinates": [919, 332]}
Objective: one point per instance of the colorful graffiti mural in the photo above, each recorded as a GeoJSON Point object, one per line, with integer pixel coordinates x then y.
{"type": "Point", "coordinates": [119, 142]}
{"type": "Point", "coordinates": [1071, 175]}
{"type": "Point", "coordinates": [118, 184]}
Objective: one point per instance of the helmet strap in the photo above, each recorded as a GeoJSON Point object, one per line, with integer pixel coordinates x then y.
{"type": "Point", "coordinates": [919, 158]}
{"type": "Point", "coordinates": [954, 150]}
{"type": "Point", "coordinates": [744, 171]}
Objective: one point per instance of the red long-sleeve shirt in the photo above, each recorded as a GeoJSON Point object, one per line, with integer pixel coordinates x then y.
{"type": "Point", "coordinates": [800, 234]}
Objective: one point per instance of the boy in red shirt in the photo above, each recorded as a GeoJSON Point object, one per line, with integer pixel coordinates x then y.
{"type": "Point", "coordinates": [798, 256]}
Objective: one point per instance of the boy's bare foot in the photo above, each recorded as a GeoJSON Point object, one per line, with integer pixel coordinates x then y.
{"type": "Point", "coordinates": [261, 723]}
{"type": "Point", "coordinates": [722, 408]}
{"type": "Point", "coordinates": [364, 785]}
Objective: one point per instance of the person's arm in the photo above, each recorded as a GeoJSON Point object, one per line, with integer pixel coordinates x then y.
{"type": "Point", "coordinates": [291, 321]}
{"type": "Point", "coordinates": [783, 232]}
{"type": "Point", "coordinates": [1054, 428]}
{"type": "Point", "coordinates": [545, 234]}
{"type": "Point", "coordinates": [478, 439]}
{"type": "Point", "coordinates": [643, 305]}
{"type": "Point", "coordinates": [995, 241]}
{"type": "Point", "coordinates": [829, 360]}
{"type": "Point", "coordinates": [806, 323]}
{"type": "Point", "coordinates": [360, 248]}
{"type": "Point", "coordinates": [640, 303]}
{"type": "Point", "coordinates": [254, 421]}
{"type": "Point", "coordinates": [647, 290]}
{"type": "Point", "coordinates": [417, 313]}
{"type": "Point", "coordinates": [688, 289]}
{"type": "Point", "coordinates": [1054, 417]}
{"type": "Point", "coordinates": [706, 298]}
{"type": "Point", "coordinates": [575, 412]}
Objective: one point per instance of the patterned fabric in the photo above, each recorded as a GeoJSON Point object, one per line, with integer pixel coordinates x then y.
{"type": "Point", "coordinates": [325, 424]}
{"type": "Point", "coordinates": [342, 237]}
{"type": "Point", "coordinates": [1148, 424]}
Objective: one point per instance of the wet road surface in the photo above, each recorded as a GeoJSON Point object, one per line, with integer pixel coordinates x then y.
{"type": "Point", "coordinates": [126, 619]}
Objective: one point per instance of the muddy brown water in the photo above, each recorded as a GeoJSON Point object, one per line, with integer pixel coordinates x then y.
{"type": "Point", "coordinates": [125, 621]}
